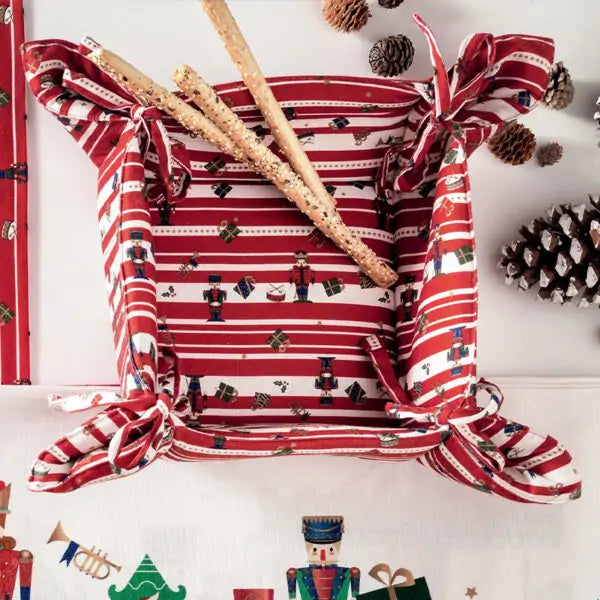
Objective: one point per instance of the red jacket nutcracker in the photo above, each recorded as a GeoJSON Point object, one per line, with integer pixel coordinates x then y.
{"type": "Point", "coordinates": [302, 275]}
{"type": "Point", "coordinates": [13, 563]}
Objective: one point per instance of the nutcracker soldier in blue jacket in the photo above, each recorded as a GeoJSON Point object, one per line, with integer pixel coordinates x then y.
{"type": "Point", "coordinates": [138, 254]}
{"type": "Point", "coordinates": [215, 297]}
{"type": "Point", "coordinates": [323, 579]}
{"type": "Point", "coordinates": [14, 564]}
{"type": "Point", "coordinates": [302, 275]}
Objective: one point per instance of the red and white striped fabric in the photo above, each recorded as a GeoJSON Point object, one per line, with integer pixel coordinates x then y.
{"type": "Point", "coordinates": [14, 308]}
{"type": "Point", "coordinates": [240, 332]}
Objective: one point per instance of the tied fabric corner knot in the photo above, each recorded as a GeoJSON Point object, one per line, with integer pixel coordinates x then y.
{"type": "Point", "coordinates": [480, 448]}
{"type": "Point", "coordinates": [446, 97]}
{"type": "Point", "coordinates": [174, 167]}
{"type": "Point", "coordinates": [129, 450]}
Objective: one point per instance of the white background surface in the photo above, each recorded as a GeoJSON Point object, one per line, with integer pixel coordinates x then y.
{"type": "Point", "coordinates": [215, 526]}
{"type": "Point", "coordinates": [70, 330]}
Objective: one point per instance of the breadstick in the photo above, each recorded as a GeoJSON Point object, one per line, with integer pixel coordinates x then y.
{"type": "Point", "coordinates": [149, 92]}
{"type": "Point", "coordinates": [226, 26]}
{"type": "Point", "coordinates": [325, 217]}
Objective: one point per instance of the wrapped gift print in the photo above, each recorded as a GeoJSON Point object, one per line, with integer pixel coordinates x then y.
{"type": "Point", "coordinates": [362, 362]}
{"type": "Point", "coordinates": [323, 578]}
{"type": "Point", "coordinates": [399, 585]}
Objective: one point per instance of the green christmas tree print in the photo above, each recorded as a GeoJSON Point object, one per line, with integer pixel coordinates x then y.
{"type": "Point", "coordinates": [146, 583]}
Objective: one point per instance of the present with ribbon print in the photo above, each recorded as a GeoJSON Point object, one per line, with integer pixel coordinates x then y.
{"type": "Point", "coordinates": [6, 314]}
{"type": "Point", "coordinates": [333, 286]}
{"type": "Point", "coordinates": [245, 286]}
{"type": "Point", "coordinates": [464, 255]}
{"type": "Point", "coordinates": [279, 340]}
{"type": "Point", "coordinates": [226, 392]}
{"type": "Point", "coordinates": [399, 585]}
{"type": "Point", "coordinates": [228, 231]}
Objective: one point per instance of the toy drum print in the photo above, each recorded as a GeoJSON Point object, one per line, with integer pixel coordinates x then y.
{"type": "Point", "coordinates": [276, 293]}
{"type": "Point", "coordinates": [259, 594]}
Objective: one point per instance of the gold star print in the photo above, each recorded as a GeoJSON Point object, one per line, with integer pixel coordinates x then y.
{"type": "Point", "coordinates": [471, 592]}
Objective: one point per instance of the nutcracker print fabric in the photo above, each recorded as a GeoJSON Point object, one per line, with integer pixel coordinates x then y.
{"type": "Point", "coordinates": [14, 312]}
{"type": "Point", "coordinates": [242, 332]}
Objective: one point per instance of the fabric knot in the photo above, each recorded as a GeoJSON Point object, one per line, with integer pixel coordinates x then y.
{"type": "Point", "coordinates": [447, 96]}
{"type": "Point", "coordinates": [129, 451]}
{"type": "Point", "coordinates": [174, 168]}
{"type": "Point", "coordinates": [146, 113]}
{"type": "Point", "coordinates": [470, 434]}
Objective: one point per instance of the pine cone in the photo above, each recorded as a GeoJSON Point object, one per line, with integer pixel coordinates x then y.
{"type": "Point", "coordinates": [513, 144]}
{"type": "Point", "coordinates": [559, 253]}
{"type": "Point", "coordinates": [391, 56]}
{"type": "Point", "coordinates": [560, 89]}
{"type": "Point", "coordinates": [549, 154]}
{"type": "Point", "coordinates": [347, 15]}
{"type": "Point", "coordinates": [390, 3]}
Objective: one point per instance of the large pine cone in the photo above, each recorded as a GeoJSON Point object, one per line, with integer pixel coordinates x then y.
{"type": "Point", "coordinates": [346, 15]}
{"type": "Point", "coordinates": [559, 253]}
{"type": "Point", "coordinates": [391, 56]}
{"type": "Point", "coordinates": [560, 89]}
{"type": "Point", "coordinates": [513, 144]}
{"type": "Point", "coordinates": [390, 3]}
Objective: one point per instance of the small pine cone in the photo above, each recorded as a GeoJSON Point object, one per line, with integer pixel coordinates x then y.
{"type": "Point", "coordinates": [346, 15]}
{"type": "Point", "coordinates": [549, 154]}
{"type": "Point", "coordinates": [513, 144]}
{"type": "Point", "coordinates": [391, 56]}
{"type": "Point", "coordinates": [390, 3]}
{"type": "Point", "coordinates": [560, 89]}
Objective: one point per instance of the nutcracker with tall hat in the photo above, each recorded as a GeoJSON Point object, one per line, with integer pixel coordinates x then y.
{"type": "Point", "coordinates": [215, 297]}
{"type": "Point", "coordinates": [326, 381]}
{"type": "Point", "coordinates": [302, 275]}
{"type": "Point", "coordinates": [408, 298]}
{"type": "Point", "coordinates": [323, 579]}
{"type": "Point", "coordinates": [438, 251]}
{"type": "Point", "coordinates": [14, 564]}
{"type": "Point", "coordinates": [137, 254]}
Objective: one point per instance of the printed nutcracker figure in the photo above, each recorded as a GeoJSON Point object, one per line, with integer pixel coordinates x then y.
{"type": "Point", "coordinates": [438, 251]}
{"type": "Point", "coordinates": [13, 563]}
{"type": "Point", "coordinates": [457, 351]}
{"type": "Point", "coordinates": [215, 297]}
{"type": "Point", "coordinates": [17, 172]}
{"type": "Point", "coordinates": [382, 208]}
{"type": "Point", "coordinates": [302, 275]}
{"type": "Point", "coordinates": [408, 297]}
{"type": "Point", "coordinates": [138, 254]}
{"type": "Point", "coordinates": [198, 400]}
{"type": "Point", "coordinates": [323, 579]}
{"type": "Point", "coordinates": [326, 382]}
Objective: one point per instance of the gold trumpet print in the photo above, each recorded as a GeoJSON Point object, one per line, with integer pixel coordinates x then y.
{"type": "Point", "coordinates": [91, 562]}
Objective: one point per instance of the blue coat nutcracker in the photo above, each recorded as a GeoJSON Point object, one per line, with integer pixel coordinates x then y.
{"type": "Point", "coordinates": [323, 579]}
{"type": "Point", "coordinates": [138, 254]}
